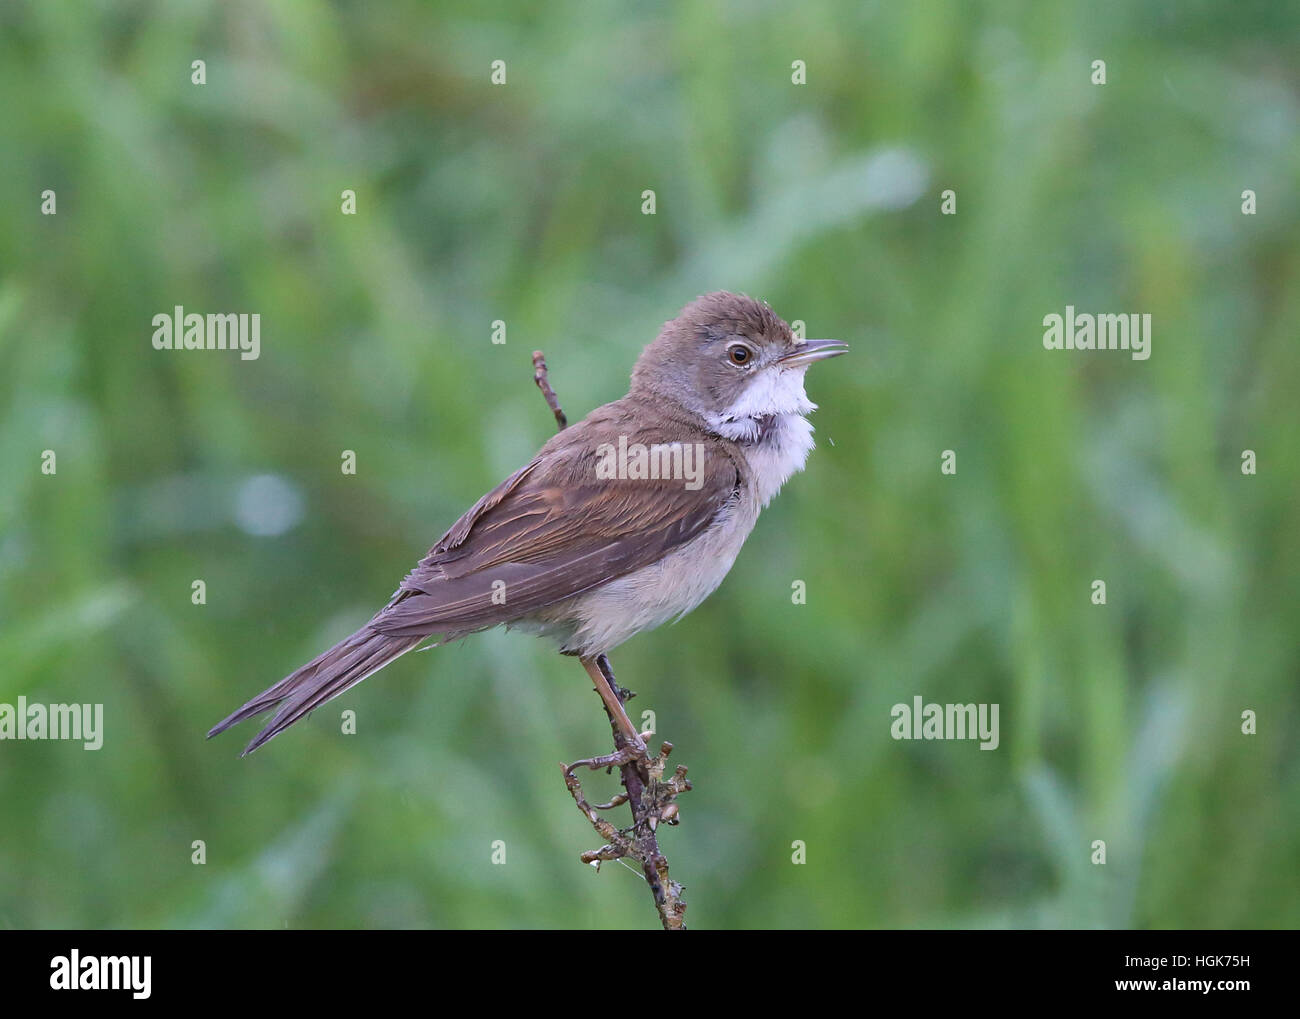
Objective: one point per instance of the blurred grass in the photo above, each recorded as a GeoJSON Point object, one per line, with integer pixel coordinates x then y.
{"type": "Point", "coordinates": [522, 203]}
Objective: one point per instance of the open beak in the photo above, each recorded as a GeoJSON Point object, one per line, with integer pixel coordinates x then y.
{"type": "Point", "coordinates": [813, 350]}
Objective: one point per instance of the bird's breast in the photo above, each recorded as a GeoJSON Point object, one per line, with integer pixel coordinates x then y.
{"type": "Point", "coordinates": [599, 620]}
{"type": "Point", "coordinates": [780, 449]}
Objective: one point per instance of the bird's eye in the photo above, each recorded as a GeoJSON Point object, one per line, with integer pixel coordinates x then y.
{"type": "Point", "coordinates": [739, 354]}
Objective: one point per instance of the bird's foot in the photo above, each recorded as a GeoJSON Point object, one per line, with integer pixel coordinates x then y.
{"type": "Point", "coordinates": [652, 797]}
{"type": "Point", "coordinates": [658, 790]}
{"type": "Point", "coordinates": [627, 753]}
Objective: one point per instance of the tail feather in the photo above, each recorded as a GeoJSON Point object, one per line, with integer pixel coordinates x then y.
{"type": "Point", "coordinates": [326, 676]}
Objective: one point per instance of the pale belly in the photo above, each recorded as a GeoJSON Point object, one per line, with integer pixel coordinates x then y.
{"type": "Point", "coordinates": [599, 620]}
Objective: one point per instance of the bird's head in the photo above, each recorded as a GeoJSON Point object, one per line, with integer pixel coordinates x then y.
{"type": "Point", "coordinates": [733, 362]}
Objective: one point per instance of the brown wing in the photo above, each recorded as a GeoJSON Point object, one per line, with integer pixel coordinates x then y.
{"type": "Point", "coordinates": [550, 531]}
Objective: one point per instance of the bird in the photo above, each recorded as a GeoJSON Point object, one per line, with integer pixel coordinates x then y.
{"type": "Point", "coordinates": [621, 522]}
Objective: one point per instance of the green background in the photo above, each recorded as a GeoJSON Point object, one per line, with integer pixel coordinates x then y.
{"type": "Point", "coordinates": [523, 203]}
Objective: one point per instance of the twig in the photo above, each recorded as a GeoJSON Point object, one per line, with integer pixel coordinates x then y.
{"type": "Point", "coordinates": [652, 799]}
{"type": "Point", "coordinates": [544, 384]}
{"type": "Point", "coordinates": [650, 795]}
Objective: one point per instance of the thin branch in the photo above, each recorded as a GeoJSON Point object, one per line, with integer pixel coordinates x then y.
{"type": "Point", "coordinates": [651, 796]}
{"type": "Point", "coordinates": [544, 384]}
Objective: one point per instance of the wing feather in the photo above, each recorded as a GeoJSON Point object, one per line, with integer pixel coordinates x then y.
{"type": "Point", "coordinates": [553, 530]}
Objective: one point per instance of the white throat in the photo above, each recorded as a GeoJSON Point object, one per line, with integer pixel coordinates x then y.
{"type": "Point", "coordinates": [768, 423]}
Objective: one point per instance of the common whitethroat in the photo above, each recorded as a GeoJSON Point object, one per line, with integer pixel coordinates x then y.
{"type": "Point", "coordinates": [621, 522]}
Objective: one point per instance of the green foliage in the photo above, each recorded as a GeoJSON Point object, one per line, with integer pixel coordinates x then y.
{"type": "Point", "coordinates": [522, 203]}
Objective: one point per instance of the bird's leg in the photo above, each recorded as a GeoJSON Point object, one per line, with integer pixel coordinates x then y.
{"type": "Point", "coordinates": [598, 668]}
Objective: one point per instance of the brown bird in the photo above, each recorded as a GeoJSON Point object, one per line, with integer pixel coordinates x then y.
{"type": "Point", "coordinates": [621, 522]}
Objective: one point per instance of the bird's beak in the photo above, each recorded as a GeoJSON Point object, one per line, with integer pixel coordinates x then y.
{"type": "Point", "coordinates": [813, 350]}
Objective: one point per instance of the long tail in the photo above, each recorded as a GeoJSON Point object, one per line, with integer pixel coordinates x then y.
{"type": "Point", "coordinates": [340, 668]}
